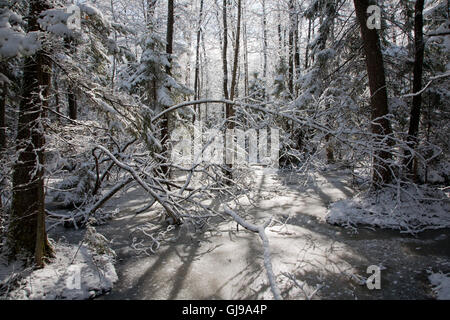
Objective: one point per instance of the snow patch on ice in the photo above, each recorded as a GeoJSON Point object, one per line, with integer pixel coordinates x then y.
{"type": "Point", "coordinates": [410, 210]}
{"type": "Point", "coordinates": [441, 285]}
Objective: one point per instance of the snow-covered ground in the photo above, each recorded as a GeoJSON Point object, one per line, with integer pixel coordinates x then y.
{"type": "Point", "coordinates": [311, 258]}
{"type": "Point", "coordinates": [441, 285]}
{"type": "Point", "coordinates": [77, 272]}
{"type": "Point", "coordinates": [408, 209]}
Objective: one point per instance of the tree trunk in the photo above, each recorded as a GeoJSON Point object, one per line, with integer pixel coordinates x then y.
{"type": "Point", "coordinates": [296, 53]}
{"type": "Point", "coordinates": [280, 33]}
{"type": "Point", "coordinates": [245, 42]}
{"type": "Point", "coordinates": [169, 38]}
{"type": "Point", "coordinates": [169, 51]}
{"type": "Point", "coordinates": [224, 52]}
{"type": "Point", "coordinates": [205, 73]}
{"type": "Point", "coordinates": [417, 84]}
{"type": "Point", "coordinates": [264, 27]}
{"type": "Point", "coordinates": [151, 6]}
{"type": "Point", "coordinates": [3, 96]}
{"type": "Point", "coordinates": [291, 45]}
{"type": "Point", "coordinates": [114, 62]}
{"type": "Point", "coordinates": [56, 93]}
{"type": "Point", "coordinates": [72, 100]}
{"type": "Point", "coordinates": [236, 57]}
{"type": "Point", "coordinates": [26, 233]}
{"type": "Point", "coordinates": [197, 61]}
{"type": "Point", "coordinates": [307, 45]}
{"type": "Point", "coordinates": [375, 70]}
{"type": "Point", "coordinates": [230, 112]}
{"type": "Point", "coordinates": [71, 97]}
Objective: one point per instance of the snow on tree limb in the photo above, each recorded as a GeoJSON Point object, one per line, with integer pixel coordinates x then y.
{"type": "Point", "coordinates": [267, 260]}
{"type": "Point", "coordinates": [139, 180]}
{"type": "Point", "coordinates": [440, 76]}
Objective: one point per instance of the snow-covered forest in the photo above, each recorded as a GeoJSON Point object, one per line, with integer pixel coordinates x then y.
{"type": "Point", "coordinates": [224, 149]}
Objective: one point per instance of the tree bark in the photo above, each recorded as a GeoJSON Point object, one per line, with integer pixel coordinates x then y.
{"type": "Point", "coordinates": [377, 82]}
{"type": "Point", "coordinates": [417, 84]}
{"type": "Point", "coordinates": [197, 61]}
{"type": "Point", "coordinates": [236, 56]}
{"type": "Point", "coordinates": [291, 45]}
{"type": "Point", "coordinates": [229, 109]}
{"type": "Point", "coordinates": [205, 73]}
{"type": "Point", "coordinates": [307, 45]}
{"type": "Point", "coordinates": [169, 51]}
{"type": "Point", "coordinates": [71, 97]}
{"type": "Point", "coordinates": [224, 53]}
{"type": "Point", "coordinates": [197, 54]}
{"type": "Point", "coordinates": [245, 43]}
{"type": "Point", "coordinates": [72, 100]}
{"type": "Point", "coordinates": [169, 38]}
{"type": "Point", "coordinates": [4, 94]}
{"type": "Point", "coordinates": [296, 52]}
{"type": "Point", "coordinates": [264, 27]}
{"type": "Point", "coordinates": [26, 233]}
{"type": "Point", "coordinates": [114, 62]}
{"type": "Point", "coordinates": [280, 33]}
{"type": "Point", "coordinates": [56, 93]}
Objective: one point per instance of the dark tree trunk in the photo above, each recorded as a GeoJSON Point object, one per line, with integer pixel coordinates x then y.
{"type": "Point", "coordinates": [3, 95]}
{"type": "Point", "coordinates": [417, 84]}
{"type": "Point", "coordinates": [224, 52]}
{"type": "Point", "coordinates": [169, 38]}
{"type": "Point", "coordinates": [291, 46]}
{"type": "Point", "coordinates": [236, 57]}
{"type": "Point", "coordinates": [72, 99]}
{"type": "Point", "coordinates": [229, 109]}
{"type": "Point", "coordinates": [280, 33]}
{"type": "Point", "coordinates": [297, 53]}
{"type": "Point", "coordinates": [114, 64]}
{"type": "Point", "coordinates": [169, 51]}
{"type": "Point", "coordinates": [307, 45]}
{"type": "Point", "coordinates": [197, 55]}
{"type": "Point", "coordinates": [56, 92]}
{"type": "Point", "coordinates": [151, 6]}
{"type": "Point", "coordinates": [375, 70]}
{"type": "Point", "coordinates": [197, 62]}
{"type": "Point", "coordinates": [26, 233]}
{"type": "Point", "coordinates": [264, 26]}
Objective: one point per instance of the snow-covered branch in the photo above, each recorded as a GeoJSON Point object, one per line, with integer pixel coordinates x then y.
{"type": "Point", "coordinates": [267, 260]}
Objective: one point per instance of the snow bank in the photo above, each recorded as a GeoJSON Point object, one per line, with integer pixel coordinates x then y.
{"type": "Point", "coordinates": [90, 274]}
{"type": "Point", "coordinates": [441, 285]}
{"type": "Point", "coordinates": [410, 210]}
